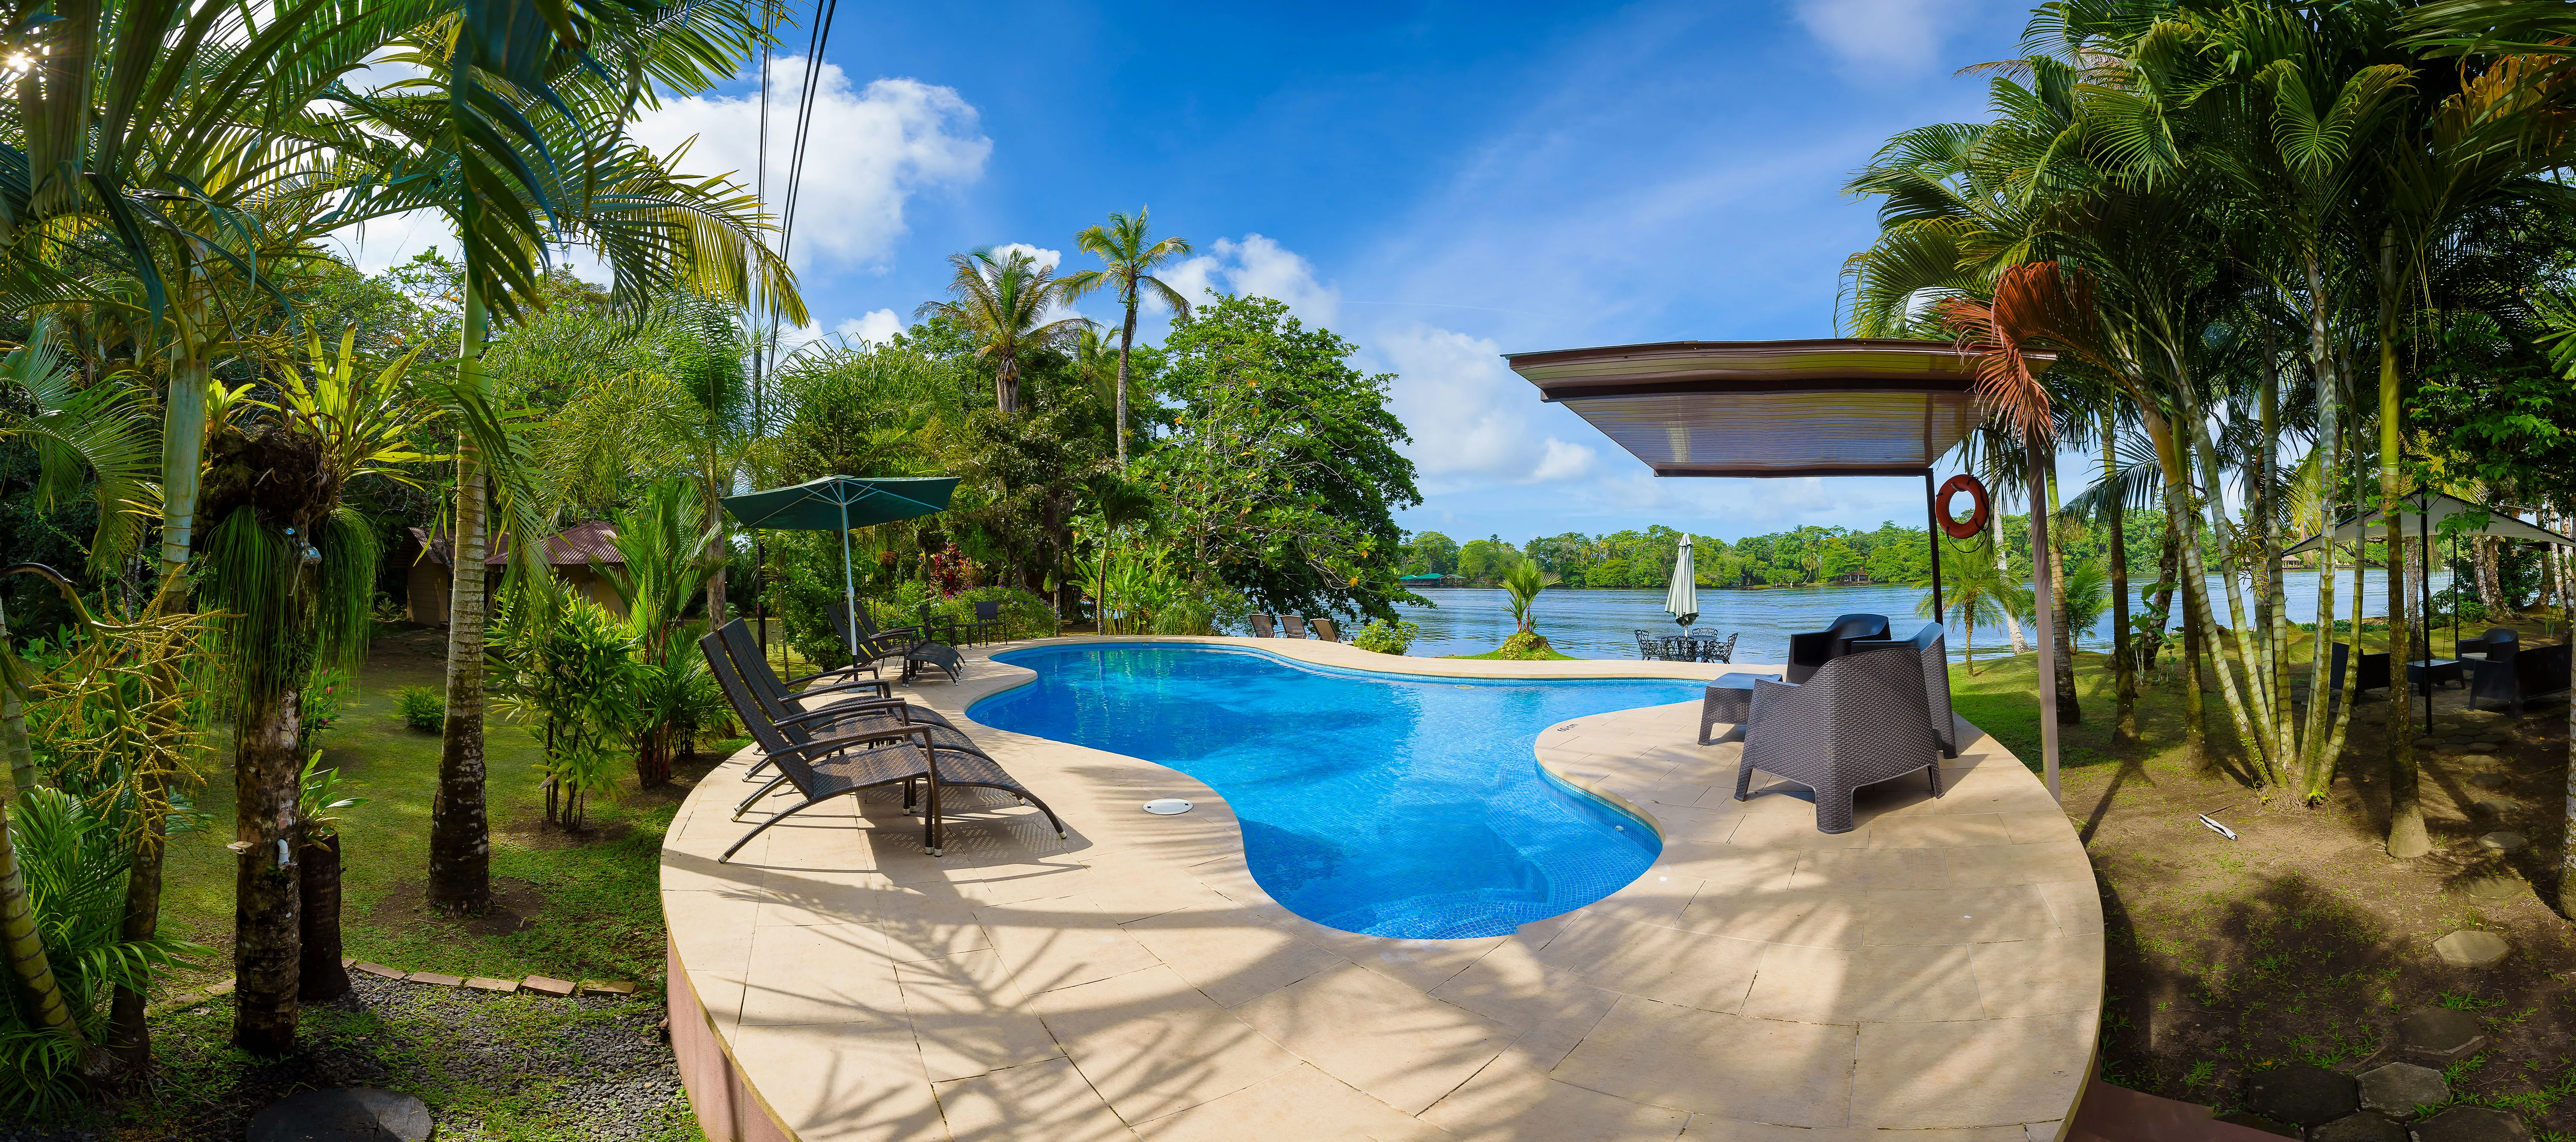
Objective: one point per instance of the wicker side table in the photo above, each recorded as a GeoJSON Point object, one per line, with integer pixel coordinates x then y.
{"type": "Point", "coordinates": [1728, 700]}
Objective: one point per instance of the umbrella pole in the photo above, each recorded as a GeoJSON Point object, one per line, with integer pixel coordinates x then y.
{"type": "Point", "coordinates": [849, 588]}
{"type": "Point", "coordinates": [2424, 592]}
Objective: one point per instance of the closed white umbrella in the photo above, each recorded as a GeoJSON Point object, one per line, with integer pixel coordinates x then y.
{"type": "Point", "coordinates": [1682, 602]}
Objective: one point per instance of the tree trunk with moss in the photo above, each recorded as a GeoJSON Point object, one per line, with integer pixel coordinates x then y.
{"type": "Point", "coordinates": [266, 888]}
{"type": "Point", "coordinates": [320, 976]}
{"type": "Point", "coordinates": [460, 837]}
{"type": "Point", "coordinates": [2124, 666]}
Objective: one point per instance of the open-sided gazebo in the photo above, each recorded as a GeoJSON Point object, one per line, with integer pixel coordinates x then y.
{"type": "Point", "coordinates": [1827, 407]}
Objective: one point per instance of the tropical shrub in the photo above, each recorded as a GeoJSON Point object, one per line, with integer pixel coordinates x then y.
{"type": "Point", "coordinates": [326, 696]}
{"type": "Point", "coordinates": [1526, 645]}
{"type": "Point", "coordinates": [422, 708]}
{"type": "Point", "coordinates": [74, 855]}
{"type": "Point", "coordinates": [1387, 638]}
{"type": "Point", "coordinates": [568, 666]}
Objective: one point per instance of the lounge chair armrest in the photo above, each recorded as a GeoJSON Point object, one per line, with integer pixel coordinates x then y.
{"type": "Point", "coordinates": [883, 688]}
{"type": "Point", "coordinates": [843, 709]}
{"type": "Point", "coordinates": [835, 672]}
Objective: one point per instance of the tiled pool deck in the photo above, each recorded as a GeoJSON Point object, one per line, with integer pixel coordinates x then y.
{"type": "Point", "coordinates": [1936, 972]}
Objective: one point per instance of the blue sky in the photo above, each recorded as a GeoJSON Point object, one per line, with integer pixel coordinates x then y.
{"type": "Point", "coordinates": [1440, 183]}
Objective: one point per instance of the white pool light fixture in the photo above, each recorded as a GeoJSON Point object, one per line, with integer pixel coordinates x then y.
{"type": "Point", "coordinates": [1167, 806]}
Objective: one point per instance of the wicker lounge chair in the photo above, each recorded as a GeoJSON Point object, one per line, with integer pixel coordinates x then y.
{"type": "Point", "coordinates": [988, 621]}
{"type": "Point", "coordinates": [1264, 627]}
{"type": "Point", "coordinates": [1930, 645]}
{"type": "Point", "coordinates": [874, 646]}
{"type": "Point", "coordinates": [1325, 630]}
{"type": "Point", "coordinates": [1296, 625]}
{"type": "Point", "coordinates": [1860, 719]}
{"type": "Point", "coordinates": [1813, 649]}
{"type": "Point", "coordinates": [2523, 674]}
{"type": "Point", "coordinates": [823, 765]}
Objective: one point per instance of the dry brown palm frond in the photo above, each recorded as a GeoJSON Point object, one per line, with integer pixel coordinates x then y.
{"type": "Point", "coordinates": [2036, 309]}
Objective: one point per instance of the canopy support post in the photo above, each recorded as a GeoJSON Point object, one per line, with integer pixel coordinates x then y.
{"type": "Point", "coordinates": [1932, 534]}
{"type": "Point", "coordinates": [849, 586]}
{"type": "Point", "coordinates": [2424, 593]}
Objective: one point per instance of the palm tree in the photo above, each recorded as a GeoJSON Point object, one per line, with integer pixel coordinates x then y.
{"type": "Point", "coordinates": [1121, 505]}
{"type": "Point", "coordinates": [1000, 301]}
{"type": "Point", "coordinates": [1976, 595]}
{"type": "Point", "coordinates": [1131, 261]}
{"type": "Point", "coordinates": [544, 162]}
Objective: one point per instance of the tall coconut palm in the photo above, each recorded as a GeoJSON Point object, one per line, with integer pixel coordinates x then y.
{"type": "Point", "coordinates": [514, 136]}
{"type": "Point", "coordinates": [1131, 261]}
{"type": "Point", "coordinates": [1002, 301]}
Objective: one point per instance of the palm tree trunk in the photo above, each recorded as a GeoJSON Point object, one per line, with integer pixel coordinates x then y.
{"type": "Point", "coordinates": [2407, 838]}
{"type": "Point", "coordinates": [1126, 342]}
{"type": "Point", "coordinates": [2069, 710]}
{"type": "Point", "coordinates": [1006, 385]}
{"type": "Point", "coordinates": [716, 586]}
{"type": "Point", "coordinates": [460, 839]}
{"type": "Point", "coordinates": [266, 952]}
{"type": "Point", "coordinates": [29, 969]}
{"type": "Point", "coordinates": [2003, 577]}
{"type": "Point", "coordinates": [320, 976]}
{"type": "Point", "coordinates": [2124, 666]}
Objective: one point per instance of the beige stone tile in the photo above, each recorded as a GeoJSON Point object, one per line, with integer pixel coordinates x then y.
{"type": "Point", "coordinates": [2051, 976]}
{"type": "Point", "coordinates": [1553, 1007]}
{"type": "Point", "coordinates": [1152, 1045]}
{"type": "Point", "coordinates": [1999, 798]}
{"type": "Point", "coordinates": [824, 973]}
{"type": "Point", "coordinates": [927, 921]}
{"type": "Point", "coordinates": [842, 1082]}
{"type": "Point", "coordinates": [1862, 870]}
{"type": "Point", "coordinates": [1995, 866]}
{"type": "Point", "coordinates": [684, 871]}
{"type": "Point", "coordinates": [995, 886]}
{"type": "Point", "coordinates": [2040, 827]}
{"type": "Point", "coordinates": [710, 929]}
{"type": "Point", "coordinates": [1228, 953]}
{"type": "Point", "coordinates": [968, 1018]}
{"type": "Point", "coordinates": [1717, 1129]}
{"type": "Point", "coordinates": [1808, 919]}
{"type": "Point", "coordinates": [1388, 1040]}
{"type": "Point", "coordinates": [1925, 1075]}
{"type": "Point", "coordinates": [1666, 964]}
{"type": "Point", "coordinates": [1659, 897]}
{"type": "Point", "coordinates": [1300, 1103]}
{"type": "Point", "coordinates": [1135, 884]}
{"type": "Point", "coordinates": [1861, 985]}
{"type": "Point", "coordinates": [1048, 944]}
{"type": "Point", "coordinates": [1949, 831]}
{"type": "Point", "coordinates": [1728, 867]}
{"type": "Point", "coordinates": [1764, 1070]}
{"type": "Point", "coordinates": [2077, 907]}
{"type": "Point", "coordinates": [1419, 964]}
{"type": "Point", "coordinates": [1049, 1100]}
{"type": "Point", "coordinates": [1793, 831]}
{"type": "Point", "coordinates": [1506, 1103]}
{"type": "Point", "coordinates": [1687, 822]}
{"type": "Point", "coordinates": [796, 899]}
{"type": "Point", "coordinates": [1956, 916]}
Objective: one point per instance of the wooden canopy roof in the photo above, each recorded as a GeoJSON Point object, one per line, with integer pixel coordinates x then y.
{"type": "Point", "coordinates": [1833, 407]}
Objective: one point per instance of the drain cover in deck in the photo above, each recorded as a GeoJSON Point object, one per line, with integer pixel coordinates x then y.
{"type": "Point", "coordinates": [1167, 806]}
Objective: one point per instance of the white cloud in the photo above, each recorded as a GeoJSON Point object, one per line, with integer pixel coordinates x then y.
{"type": "Point", "coordinates": [1877, 35]}
{"type": "Point", "coordinates": [877, 325]}
{"type": "Point", "coordinates": [1045, 258]}
{"type": "Point", "coordinates": [388, 242]}
{"type": "Point", "coordinates": [1473, 420]}
{"type": "Point", "coordinates": [869, 152]}
{"type": "Point", "coordinates": [1261, 267]}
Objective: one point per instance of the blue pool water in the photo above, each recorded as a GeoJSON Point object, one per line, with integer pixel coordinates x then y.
{"type": "Point", "coordinates": [1389, 805]}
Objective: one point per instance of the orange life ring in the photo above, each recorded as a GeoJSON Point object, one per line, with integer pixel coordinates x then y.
{"type": "Point", "coordinates": [1976, 521]}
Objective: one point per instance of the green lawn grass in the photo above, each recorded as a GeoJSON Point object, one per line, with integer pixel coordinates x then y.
{"type": "Point", "coordinates": [571, 905]}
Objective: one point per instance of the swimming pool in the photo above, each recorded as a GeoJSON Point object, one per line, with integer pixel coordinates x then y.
{"type": "Point", "coordinates": [1389, 805]}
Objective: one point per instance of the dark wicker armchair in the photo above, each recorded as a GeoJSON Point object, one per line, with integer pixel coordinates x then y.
{"type": "Point", "coordinates": [2496, 644]}
{"type": "Point", "coordinates": [1859, 719]}
{"type": "Point", "coordinates": [2521, 675]}
{"type": "Point", "coordinates": [1930, 645]}
{"type": "Point", "coordinates": [1812, 650]}
{"type": "Point", "coordinates": [2374, 671]}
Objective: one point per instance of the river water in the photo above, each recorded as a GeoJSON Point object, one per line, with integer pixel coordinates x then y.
{"type": "Point", "coordinates": [1602, 622]}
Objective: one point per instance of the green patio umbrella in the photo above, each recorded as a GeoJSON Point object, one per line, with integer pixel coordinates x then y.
{"type": "Point", "coordinates": [839, 503]}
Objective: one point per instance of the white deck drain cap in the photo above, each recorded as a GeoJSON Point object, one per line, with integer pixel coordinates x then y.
{"type": "Point", "coordinates": [1167, 806]}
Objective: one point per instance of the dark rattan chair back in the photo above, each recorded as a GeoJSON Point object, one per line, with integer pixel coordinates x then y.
{"type": "Point", "coordinates": [1860, 719]}
{"type": "Point", "coordinates": [1264, 627]}
{"type": "Point", "coordinates": [1813, 649]}
{"type": "Point", "coordinates": [1931, 646]}
{"type": "Point", "coordinates": [1325, 630]}
{"type": "Point", "coordinates": [1296, 625]}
